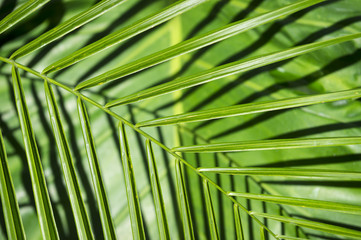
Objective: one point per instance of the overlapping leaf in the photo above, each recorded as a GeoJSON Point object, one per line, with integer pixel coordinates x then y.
{"type": "Point", "coordinates": [123, 34]}
{"type": "Point", "coordinates": [10, 206]}
{"type": "Point", "coordinates": [41, 195]}
{"type": "Point", "coordinates": [72, 184]}
{"type": "Point", "coordinates": [22, 12]}
{"type": "Point", "coordinates": [102, 199]}
{"type": "Point", "coordinates": [66, 27]}
{"type": "Point", "coordinates": [195, 43]}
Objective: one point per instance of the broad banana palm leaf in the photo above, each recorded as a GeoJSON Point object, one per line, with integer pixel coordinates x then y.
{"type": "Point", "coordinates": [189, 119]}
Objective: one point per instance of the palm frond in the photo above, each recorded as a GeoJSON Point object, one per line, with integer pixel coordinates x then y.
{"type": "Point", "coordinates": [197, 209]}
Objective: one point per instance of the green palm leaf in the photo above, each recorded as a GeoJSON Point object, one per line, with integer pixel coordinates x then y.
{"type": "Point", "coordinates": [124, 34]}
{"type": "Point", "coordinates": [314, 225]}
{"type": "Point", "coordinates": [14, 224]}
{"type": "Point", "coordinates": [181, 184]}
{"type": "Point", "coordinates": [195, 43]}
{"type": "Point", "coordinates": [331, 206]}
{"type": "Point", "coordinates": [260, 145]}
{"type": "Point", "coordinates": [252, 108]}
{"type": "Point", "coordinates": [291, 172]}
{"type": "Point", "coordinates": [78, 207]}
{"type": "Point", "coordinates": [106, 218]}
{"type": "Point", "coordinates": [22, 12]}
{"type": "Point", "coordinates": [132, 195]}
{"type": "Point", "coordinates": [42, 201]}
{"type": "Point", "coordinates": [66, 27]}
{"type": "Point", "coordinates": [229, 69]}
{"type": "Point", "coordinates": [157, 194]}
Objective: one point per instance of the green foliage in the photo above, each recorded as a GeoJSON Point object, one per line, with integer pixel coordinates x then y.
{"type": "Point", "coordinates": [180, 120]}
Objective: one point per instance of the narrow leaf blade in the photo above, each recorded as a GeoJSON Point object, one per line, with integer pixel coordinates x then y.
{"type": "Point", "coordinates": [20, 13]}
{"type": "Point", "coordinates": [237, 222]}
{"type": "Point", "coordinates": [289, 238]}
{"type": "Point", "coordinates": [132, 195]}
{"type": "Point", "coordinates": [183, 202]}
{"type": "Point", "coordinates": [157, 194]}
{"type": "Point", "coordinates": [302, 202]}
{"type": "Point", "coordinates": [124, 34]}
{"type": "Point", "coordinates": [66, 27]}
{"type": "Point", "coordinates": [262, 233]}
{"type": "Point", "coordinates": [313, 225]}
{"type": "Point", "coordinates": [10, 205]}
{"type": "Point", "coordinates": [71, 181]}
{"type": "Point", "coordinates": [210, 212]}
{"type": "Point", "coordinates": [228, 70]}
{"type": "Point", "coordinates": [276, 144]}
{"type": "Point", "coordinates": [287, 172]}
{"type": "Point", "coordinates": [252, 108]}
{"type": "Point", "coordinates": [99, 189]}
{"type": "Point", "coordinates": [41, 195]}
{"type": "Point", "coordinates": [195, 43]}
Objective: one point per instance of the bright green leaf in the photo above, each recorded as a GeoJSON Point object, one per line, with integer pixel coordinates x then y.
{"type": "Point", "coordinates": [41, 195]}
{"type": "Point", "coordinates": [129, 178]}
{"type": "Point", "coordinates": [22, 12]}
{"type": "Point", "coordinates": [124, 34]}
{"type": "Point", "coordinates": [258, 145]}
{"type": "Point", "coordinates": [71, 181]}
{"type": "Point", "coordinates": [314, 225]}
{"type": "Point", "coordinates": [66, 27]}
{"type": "Point", "coordinates": [102, 199]}
{"type": "Point", "coordinates": [302, 202]}
{"type": "Point", "coordinates": [10, 206]}
{"type": "Point", "coordinates": [195, 43]}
